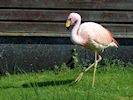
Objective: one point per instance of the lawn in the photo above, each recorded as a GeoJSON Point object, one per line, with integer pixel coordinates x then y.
{"type": "Point", "coordinates": [114, 81]}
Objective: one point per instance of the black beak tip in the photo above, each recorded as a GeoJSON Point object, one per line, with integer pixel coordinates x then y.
{"type": "Point", "coordinates": [67, 28]}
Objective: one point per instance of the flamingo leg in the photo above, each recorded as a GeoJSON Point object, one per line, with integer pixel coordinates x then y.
{"type": "Point", "coordinates": [87, 69]}
{"type": "Point", "coordinates": [94, 73]}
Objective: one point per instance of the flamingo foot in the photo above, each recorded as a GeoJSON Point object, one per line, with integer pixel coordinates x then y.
{"type": "Point", "coordinates": [79, 77]}
{"type": "Point", "coordinates": [86, 70]}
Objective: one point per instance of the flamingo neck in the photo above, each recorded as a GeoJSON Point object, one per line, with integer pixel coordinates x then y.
{"type": "Point", "coordinates": [75, 37]}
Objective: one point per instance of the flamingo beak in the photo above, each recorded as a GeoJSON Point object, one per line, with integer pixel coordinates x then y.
{"type": "Point", "coordinates": [68, 24]}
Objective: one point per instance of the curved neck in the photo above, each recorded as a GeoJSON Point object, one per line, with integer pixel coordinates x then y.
{"type": "Point", "coordinates": [75, 37]}
{"type": "Point", "coordinates": [76, 27]}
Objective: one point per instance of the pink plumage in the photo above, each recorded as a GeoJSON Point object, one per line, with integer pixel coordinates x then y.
{"type": "Point", "coordinates": [90, 35]}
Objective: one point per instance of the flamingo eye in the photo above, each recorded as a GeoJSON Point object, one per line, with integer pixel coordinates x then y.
{"type": "Point", "coordinates": [70, 19]}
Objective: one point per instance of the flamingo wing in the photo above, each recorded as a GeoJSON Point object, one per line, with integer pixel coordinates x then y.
{"type": "Point", "coordinates": [97, 35]}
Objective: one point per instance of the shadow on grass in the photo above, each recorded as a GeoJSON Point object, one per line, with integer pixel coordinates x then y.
{"type": "Point", "coordinates": [8, 87]}
{"type": "Point", "coordinates": [40, 84]}
{"type": "Point", "coordinates": [47, 83]}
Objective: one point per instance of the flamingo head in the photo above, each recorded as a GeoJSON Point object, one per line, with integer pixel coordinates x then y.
{"type": "Point", "coordinates": [72, 19]}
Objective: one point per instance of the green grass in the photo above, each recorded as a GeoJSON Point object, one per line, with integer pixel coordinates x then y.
{"type": "Point", "coordinates": [113, 82]}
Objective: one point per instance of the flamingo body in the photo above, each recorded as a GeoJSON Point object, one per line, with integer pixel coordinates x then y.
{"type": "Point", "coordinates": [95, 36]}
{"type": "Point", "coordinates": [90, 35]}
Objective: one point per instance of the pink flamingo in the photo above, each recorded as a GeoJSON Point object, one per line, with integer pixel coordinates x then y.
{"type": "Point", "coordinates": [92, 36]}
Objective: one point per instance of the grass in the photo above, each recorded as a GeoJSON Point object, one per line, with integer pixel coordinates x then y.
{"type": "Point", "coordinates": [114, 81]}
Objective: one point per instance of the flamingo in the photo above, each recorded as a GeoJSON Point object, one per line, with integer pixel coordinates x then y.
{"type": "Point", "coordinates": [92, 36]}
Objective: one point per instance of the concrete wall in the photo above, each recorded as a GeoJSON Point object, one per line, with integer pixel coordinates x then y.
{"type": "Point", "coordinates": [37, 53]}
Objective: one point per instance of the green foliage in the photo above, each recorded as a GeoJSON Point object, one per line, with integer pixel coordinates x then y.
{"type": "Point", "coordinates": [62, 68]}
{"type": "Point", "coordinates": [114, 81]}
{"type": "Point", "coordinates": [75, 58]}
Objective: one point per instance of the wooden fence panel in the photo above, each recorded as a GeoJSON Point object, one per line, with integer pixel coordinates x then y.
{"type": "Point", "coordinates": [54, 29]}
{"type": "Point", "coordinates": [47, 17]}
{"type": "Point", "coordinates": [61, 15]}
{"type": "Point", "coordinates": [69, 4]}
